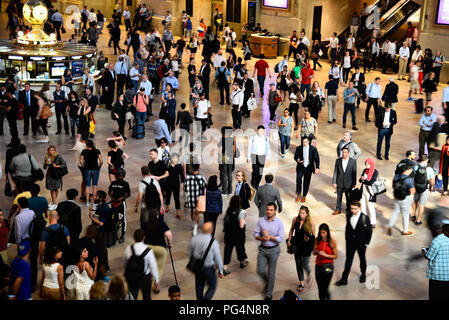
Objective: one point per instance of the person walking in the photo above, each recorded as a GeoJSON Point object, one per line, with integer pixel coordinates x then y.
{"type": "Point", "coordinates": [444, 165]}
{"type": "Point", "coordinates": [273, 101]}
{"type": "Point", "coordinates": [325, 248]}
{"type": "Point", "coordinates": [346, 142]}
{"type": "Point", "coordinates": [237, 99]}
{"type": "Point", "coordinates": [285, 125]}
{"type": "Point", "coordinates": [373, 98]}
{"type": "Point", "coordinates": [52, 287]}
{"type": "Point", "coordinates": [358, 236]}
{"type": "Point", "coordinates": [270, 232]}
{"type": "Point", "coordinates": [262, 69]}
{"type": "Point", "coordinates": [222, 75]}
{"type": "Point", "coordinates": [424, 184]}
{"type": "Point", "coordinates": [267, 194]}
{"type": "Point", "coordinates": [243, 190]}
{"type": "Point", "coordinates": [214, 202]}
{"type": "Point", "coordinates": [259, 153]}
{"type": "Point", "coordinates": [368, 177]}
{"type": "Point", "coordinates": [56, 169]}
{"type": "Point", "coordinates": [91, 162]}
{"type": "Point", "coordinates": [194, 186]}
{"type": "Point", "coordinates": [385, 121]}
{"type": "Point", "coordinates": [226, 160]}
{"type": "Point", "coordinates": [234, 229]}
{"type": "Point", "coordinates": [307, 162]}
{"type": "Point", "coordinates": [391, 93]}
{"type": "Point", "coordinates": [331, 97]}
{"type": "Point", "coordinates": [344, 179]}
{"type": "Point", "coordinates": [349, 96]}
{"type": "Point", "coordinates": [140, 281]}
{"type": "Point", "coordinates": [301, 239]}
{"type": "Point", "coordinates": [426, 122]}
{"type": "Point", "coordinates": [198, 249]}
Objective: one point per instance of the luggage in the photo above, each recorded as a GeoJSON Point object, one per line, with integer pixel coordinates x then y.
{"type": "Point", "coordinates": [419, 105]}
{"type": "Point", "coordinates": [138, 129]}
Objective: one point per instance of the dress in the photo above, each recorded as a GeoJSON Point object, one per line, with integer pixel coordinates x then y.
{"type": "Point", "coordinates": [282, 85]}
{"type": "Point", "coordinates": [84, 122]}
{"type": "Point", "coordinates": [79, 284]}
{"type": "Point", "coordinates": [52, 183]}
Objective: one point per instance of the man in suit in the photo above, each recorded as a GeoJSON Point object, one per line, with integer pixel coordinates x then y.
{"type": "Point", "coordinates": [26, 97]}
{"type": "Point", "coordinates": [248, 88]}
{"type": "Point", "coordinates": [108, 85]}
{"type": "Point", "coordinates": [385, 121]}
{"type": "Point", "coordinates": [345, 178]}
{"type": "Point", "coordinates": [267, 194]}
{"type": "Point", "coordinates": [358, 78]}
{"type": "Point", "coordinates": [391, 93]}
{"type": "Point", "coordinates": [204, 76]}
{"type": "Point", "coordinates": [307, 162]}
{"type": "Point", "coordinates": [70, 215]}
{"type": "Point", "coordinates": [358, 236]}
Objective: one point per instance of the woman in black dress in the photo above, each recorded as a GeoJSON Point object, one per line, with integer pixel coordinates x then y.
{"type": "Point", "coordinates": [300, 240]}
{"type": "Point", "coordinates": [118, 113]}
{"type": "Point", "coordinates": [83, 115]}
{"type": "Point", "coordinates": [313, 103]}
{"type": "Point", "coordinates": [282, 82]}
{"type": "Point", "coordinates": [174, 180]}
{"type": "Point", "coordinates": [72, 107]}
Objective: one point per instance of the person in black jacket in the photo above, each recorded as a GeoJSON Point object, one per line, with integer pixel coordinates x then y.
{"type": "Point", "coordinates": [313, 103]}
{"type": "Point", "coordinates": [344, 179]}
{"type": "Point", "coordinates": [385, 120]}
{"type": "Point", "coordinates": [358, 236]}
{"type": "Point", "coordinates": [204, 76]}
{"type": "Point", "coordinates": [248, 88]}
{"type": "Point", "coordinates": [108, 84]}
{"type": "Point", "coordinates": [305, 166]}
{"type": "Point", "coordinates": [391, 93]}
{"type": "Point", "coordinates": [70, 215]}
{"type": "Point", "coordinates": [26, 97]}
{"type": "Point", "coordinates": [243, 190]}
{"type": "Point", "coordinates": [175, 178]}
{"type": "Point", "coordinates": [358, 78]}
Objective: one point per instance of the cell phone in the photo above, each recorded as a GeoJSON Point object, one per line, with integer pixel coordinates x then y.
{"type": "Point", "coordinates": [424, 249]}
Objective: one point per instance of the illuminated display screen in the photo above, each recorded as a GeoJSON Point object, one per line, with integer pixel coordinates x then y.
{"type": "Point", "coordinates": [443, 12]}
{"type": "Point", "coordinates": [283, 4]}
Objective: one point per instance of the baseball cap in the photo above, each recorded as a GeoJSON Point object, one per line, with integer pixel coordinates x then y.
{"type": "Point", "coordinates": [272, 84]}
{"type": "Point", "coordinates": [24, 248]}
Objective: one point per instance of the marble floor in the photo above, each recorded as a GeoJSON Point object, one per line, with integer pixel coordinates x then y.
{"type": "Point", "coordinates": [393, 277]}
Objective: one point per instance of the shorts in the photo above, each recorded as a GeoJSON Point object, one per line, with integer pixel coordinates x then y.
{"type": "Point", "coordinates": [129, 116]}
{"type": "Point", "coordinates": [422, 197]}
{"type": "Point", "coordinates": [91, 176]}
{"type": "Point", "coordinates": [414, 85]}
{"type": "Point", "coordinates": [428, 96]}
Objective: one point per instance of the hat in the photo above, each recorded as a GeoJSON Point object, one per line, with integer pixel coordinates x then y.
{"type": "Point", "coordinates": [24, 248]}
{"type": "Point", "coordinates": [272, 84]}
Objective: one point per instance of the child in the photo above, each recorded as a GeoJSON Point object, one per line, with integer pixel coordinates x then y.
{"type": "Point", "coordinates": [174, 180]}
{"type": "Point", "coordinates": [116, 159]}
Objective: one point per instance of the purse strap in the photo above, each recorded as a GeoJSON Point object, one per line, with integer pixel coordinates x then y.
{"type": "Point", "coordinates": [207, 251]}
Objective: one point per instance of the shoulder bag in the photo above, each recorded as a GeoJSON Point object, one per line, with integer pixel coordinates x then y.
{"type": "Point", "coordinates": [378, 187]}
{"type": "Point", "coordinates": [36, 174]}
{"type": "Point", "coordinates": [196, 265]}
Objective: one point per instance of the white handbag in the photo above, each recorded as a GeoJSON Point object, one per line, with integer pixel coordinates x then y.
{"type": "Point", "coordinates": [252, 105]}
{"type": "Point", "coordinates": [378, 187]}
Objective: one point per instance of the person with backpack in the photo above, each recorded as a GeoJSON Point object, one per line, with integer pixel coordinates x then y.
{"type": "Point", "coordinates": [424, 184]}
{"type": "Point", "coordinates": [358, 236]}
{"type": "Point", "coordinates": [403, 188]}
{"type": "Point", "coordinates": [149, 196]}
{"type": "Point", "coordinates": [55, 235]}
{"type": "Point", "coordinates": [222, 75]}
{"type": "Point", "coordinates": [140, 267]}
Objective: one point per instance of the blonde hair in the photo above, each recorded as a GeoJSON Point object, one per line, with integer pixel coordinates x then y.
{"type": "Point", "coordinates": [308, 221]}
{"type": "Point", "coordinates": [98, 291]}
{"type": "Point", "coordinates": [243, 175]}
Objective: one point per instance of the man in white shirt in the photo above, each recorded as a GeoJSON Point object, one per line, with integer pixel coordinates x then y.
{"type": "Point", "coordinates": [168, 19]}
{"type": "Point", "coordinates": [135, 76]}
{"type": "Point", "coordinates": [333, 44]}
{"type": "Point", "coordinates": [259, 152]}
{"type": "Point", "coordinates": [305, 40]}
{"type": "Point", "coordinates": [358, 236]}
{"type": "Point", "coordinates": [375, 52]}
{"type": "Point", "coordinates": [385, 55]}
{"type": "Point", "coordinates": [404, 54]}
{"type": "Point", "coordinates": [218, 59]}
{"type": "Point", "coordinates": [386, 119]}
{"type": "Point", "coordinates": [137, 282]}
{"type": "Point", "coordinates": [237, 102]}
{"type": "Point", "coordinates": [373, 98]}
{"type": "Point", "coordinates": [127, 18]}
{"type": "Point", "coordinates": [203, 108]}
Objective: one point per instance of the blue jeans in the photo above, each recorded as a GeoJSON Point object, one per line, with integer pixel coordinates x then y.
{"type": "Point", "coordinates": [285, 142]}
{"type": "Point", "coordinates": [74, 122]}
{"type": "Point", "coordinates": [305, 87]}
{"type": "Point", "coordinates": [206, 276]}
{"type": "Point", "coordinates": [140, 123]}
{"type": "Point", "coordinates": [91, 176]}
{"type": "Point", "coordinates": [380, 137]}
{"type": "Point", "coordinates": [349, 107]}
{"type": "Point", "coordinates": [261, 81]}
{"type": "Point", "coordinates": [135, 83]}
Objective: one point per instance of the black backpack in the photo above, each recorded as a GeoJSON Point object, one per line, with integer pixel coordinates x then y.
{"type": "Point", "coordinates": [400, 190]}
{"type": "Point", "coordinates": [152, 199]}
{"type": "Point", "coordinates": [421, 181]}
{"type": "Point", "coordinates": [36, 227]}
{"type": "Point", "coordinates": [276, 68]}
{"type": "Point", "coordinates": [222, 76]}
{"type": "Point", "coordinates": [135, 268]}
{"type": "Point", "coordinates": [56, 238]}
{"type": "Point", "coordinates": [402, 166]}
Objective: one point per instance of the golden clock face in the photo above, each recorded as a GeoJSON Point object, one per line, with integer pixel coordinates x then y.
{"type": "Point", "coordinates": [40, 13]}
{"type": "Point", "coordinates": [26, 12]}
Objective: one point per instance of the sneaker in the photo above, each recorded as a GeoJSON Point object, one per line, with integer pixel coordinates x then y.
{"type": "Point", "coordinates": [87, 203]}
{"type": "Point", "coordinates": [282, 156]}
{"type": "Point", "coordinates": [410, 99]}
{"type": "Point", "coordinates": [329, 121]}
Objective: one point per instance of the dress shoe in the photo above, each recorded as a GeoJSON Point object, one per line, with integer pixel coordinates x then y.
{"type": "Point", "coordinates": [334, 120]}
{"type": "Point", "coordinates": [298, 198]}
{"type": "Point", "coordinates": [243, 264]}
{"type": "Point", "coordinates": [362, 278]}
{"type": "Point", "coordinates": [341, 282]}
{"type": "Point", "coordinates": [329, 121]}
{"type": "Point", "coordinates": [122, 239]}
{"type": "Point", "coordinates": [226, 272]}
{"type": "Point", "coordinates": [367, 120]}
{"type": "Point", "coordinates": [389, 231]}
{"type": "Point", "coordinates": [379, 158]}
{"type": "Point", "coordinates": [336, 212]}
{"type": "Point", "coordinates": [413, 218]}
{"type": "Point", "coordinates": [387, 158]}
{"type": "Point", "coordinates": [344, 125]}
{"type": "Point", "coordinates": [407, 233]}
{"type": "Point", "coordinates": [268, 298]}
{"type": "Point", "coordinates": [303, 199]}
{"type": "Point", "coordinates": [355, 128]}
{"type": "Point", "coordinates": [59, 132]}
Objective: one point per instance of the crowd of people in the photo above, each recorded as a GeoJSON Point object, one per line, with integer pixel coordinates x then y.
{"type": "Point", "coordinates": [73, 267]}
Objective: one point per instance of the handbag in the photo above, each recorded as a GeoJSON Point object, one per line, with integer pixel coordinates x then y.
{"type": "Point", "coordinates": [58, 173]}
{"type": "Point", "coordinates": [277, 99]}
{"type": "Point", "coordinates": [92, 125]}
{"type": "Point", "coordinates": [378, 187]}
{"type": "Point", "coordinates": [196, 265]}
{"type": "Point", "coordinates": [291, 249]}
{"type": "Point", "coordinates": [46, 112]}
{"type": "Point", "coordinates": [8, 189]}
{"type": "Point", "coordinates": [201, 203]}
{"type": "Point", "coordinates": [252, 104]}
{"type": "Point", "coordinates": [36, 174]}
{"type": "Point", "coordinates": [63, 30]}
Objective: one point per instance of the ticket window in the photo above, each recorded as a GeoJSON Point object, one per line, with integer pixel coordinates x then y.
{"type": "Point", "coordinates": [57, 69]}
{"type": "Point", "coordinates": [12, 66]}
{"type": "Point", "coordinates": [38, 69]}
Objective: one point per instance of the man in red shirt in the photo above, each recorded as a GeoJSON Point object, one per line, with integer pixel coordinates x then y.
{"type": "Point", "coordinates": [306, 78]}
{"type": "Point", "coordinates": [262, 69]}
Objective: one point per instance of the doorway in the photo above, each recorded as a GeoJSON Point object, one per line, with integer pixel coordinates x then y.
{"type": "Point", "coordinates": [317, 13]}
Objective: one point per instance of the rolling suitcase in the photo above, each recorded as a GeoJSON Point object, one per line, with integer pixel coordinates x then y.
{"type": "Point", "coordinates": [419, 105]}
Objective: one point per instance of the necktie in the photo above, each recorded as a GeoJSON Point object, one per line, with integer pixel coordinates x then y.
{"type": "Point", "coordinates": [28, 98]}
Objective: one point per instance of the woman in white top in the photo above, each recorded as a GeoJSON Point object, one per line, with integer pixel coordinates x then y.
{"type": "Point", "coordinates": [346, 67]}
{"type": "Point", "coordinates": [350, 42]}
{"type": "Point", "coordinates": [85, 276]}
{"type": "Point", "coordinates": [88, 80]}
{"type": "Point", "coordinates": [202, 107]}
{"type": "Point", "coordinates": [319, 91]}
{"type": "Point", "coordinates": [52, 287]}
{"type": "Point", "coordinates": [92, 16]}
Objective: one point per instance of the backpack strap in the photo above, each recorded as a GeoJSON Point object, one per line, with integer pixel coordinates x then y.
{"type": "Point", "coordinates": [145, 252]}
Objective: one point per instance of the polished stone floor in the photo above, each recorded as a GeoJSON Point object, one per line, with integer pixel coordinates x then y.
{"type": "Point", "coordinates": [397, 279]}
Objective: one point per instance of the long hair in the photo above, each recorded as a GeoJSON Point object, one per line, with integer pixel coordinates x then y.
{"type": "Point", "coordinates": [308, 221]}
{"type": "Point", "coordinates": [50, 255]}
{"type": "Point", "coordinates": [117, 289]}
{"type": "Point", "coordinates": [324, 227]}
{"type": "Point", "coordinates": [243, 175]}
{"type": "Point", "coordinates": [234, 205]}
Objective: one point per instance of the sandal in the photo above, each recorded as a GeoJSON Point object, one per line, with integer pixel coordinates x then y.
{"type": "Point", "coordinates": [300, 288]}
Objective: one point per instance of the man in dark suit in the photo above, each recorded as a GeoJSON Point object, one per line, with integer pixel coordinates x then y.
{"type": "Point", "coordinates": [108, 85]}
{"type": "Point", "coordinates": [358, 78]}
{"type": "Point", "coordinates": [345, 179]}
{"type": "Point", "coordinates": [248, 86]}
{"type": "Point", "coordinates": [307, 162]}
{"type": "Point", "coordinates": [391, 93]}
{"type": "Point", "coordinates": [70, 215]}
{"type": "Point", "coordinates": [385, 120]}
{"type": "Point", "coordinates": [358, 236]}
{"type": "Point", "coordinates": [204, 76]}
{"type": "Point", "coordinates": [26, 97]}
{"type": "Point", "coordinates": [3, 106]}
